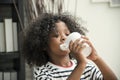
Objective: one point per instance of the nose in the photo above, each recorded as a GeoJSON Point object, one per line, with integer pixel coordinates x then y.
{"type": "Point", "coordinates": [63, 37]}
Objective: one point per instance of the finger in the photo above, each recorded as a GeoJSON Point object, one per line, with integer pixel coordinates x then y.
{"type": "Point", "coordinates": [70, 45]}
{"type": "Point", "coordinates": [81, 48]}
{"type": "Point", "coordinates": [88, 42]}
{"type": "Point", "coordinates": [73, 45]}
{"type": "Point", "coordinates": [76, 44]}
{"type": "Point", "coordinates": [78, 47]}
{"type": "Point", "coordinates": [84, 37]}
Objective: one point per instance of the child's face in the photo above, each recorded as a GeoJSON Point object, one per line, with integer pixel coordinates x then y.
{"type": "Point", "coordinates": [57, 37]}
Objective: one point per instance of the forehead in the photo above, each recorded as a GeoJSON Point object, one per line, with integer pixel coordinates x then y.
{"type": "Point", "coordinates": [60, 26]}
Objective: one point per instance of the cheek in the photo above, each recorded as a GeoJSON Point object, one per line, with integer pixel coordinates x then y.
{"type": "Point", "coordinates": [54, 47]}
{"type": "Point", "coordinates": [54, 44]}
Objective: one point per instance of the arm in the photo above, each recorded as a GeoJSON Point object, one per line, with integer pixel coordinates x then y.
{"type": "Point", "coordinates": [77, 72]}
{"type": "Point", "coordinates": [81, 61]}
{"type": "Point", "coordinates": [105, 70]}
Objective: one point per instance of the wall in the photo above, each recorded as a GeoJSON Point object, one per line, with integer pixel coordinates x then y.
{"type": "Point", "coordinates": [103, 23]}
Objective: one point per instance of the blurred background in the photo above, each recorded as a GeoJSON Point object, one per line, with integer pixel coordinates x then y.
{"type": "Point", "coordinates": [102, 19]}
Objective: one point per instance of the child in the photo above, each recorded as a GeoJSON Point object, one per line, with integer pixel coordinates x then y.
{"type": "Point", "coordinates": [41, 48]}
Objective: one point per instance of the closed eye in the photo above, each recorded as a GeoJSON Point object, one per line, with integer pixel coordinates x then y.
{"type": "Point", "coordinates": [67, 34]}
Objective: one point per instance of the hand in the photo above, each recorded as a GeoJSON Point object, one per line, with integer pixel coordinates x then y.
{"type": "Point", "coordinates": [93, 56]}
{"type": "Point", "coordinates": [76, 49]}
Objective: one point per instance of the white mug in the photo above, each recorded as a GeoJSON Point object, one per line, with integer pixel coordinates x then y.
{"type": "Point", "coordinates": [73, 36]}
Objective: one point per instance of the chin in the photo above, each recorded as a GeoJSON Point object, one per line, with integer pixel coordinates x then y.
{"type": "Point", "coordinates": [65, 52]}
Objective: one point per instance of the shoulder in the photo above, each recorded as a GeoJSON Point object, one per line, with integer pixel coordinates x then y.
{"type": "Point", "coordinates": [43, 72]}
{"type": "Point", "coordinates": [92, 72]}
{"type": "Point", "coordinates": [91, 67]}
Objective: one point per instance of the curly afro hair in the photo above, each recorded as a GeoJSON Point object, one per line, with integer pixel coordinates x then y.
{"type": "Point", "coordinates": [37, 35]}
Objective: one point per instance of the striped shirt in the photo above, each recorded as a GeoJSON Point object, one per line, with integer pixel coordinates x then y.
{"type": "Point", "coordinates": [51, 71]}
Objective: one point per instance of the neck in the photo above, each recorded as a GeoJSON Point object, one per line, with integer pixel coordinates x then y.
{"type": "Point", "coordinates": [64, 61]}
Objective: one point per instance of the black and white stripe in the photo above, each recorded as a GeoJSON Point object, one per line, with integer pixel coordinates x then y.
{"type": "Point", "coordinates": [53, 72]}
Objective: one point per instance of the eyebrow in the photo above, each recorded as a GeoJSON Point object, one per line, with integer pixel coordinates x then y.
{"type": "Point", "coordinates": [67, 30]}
